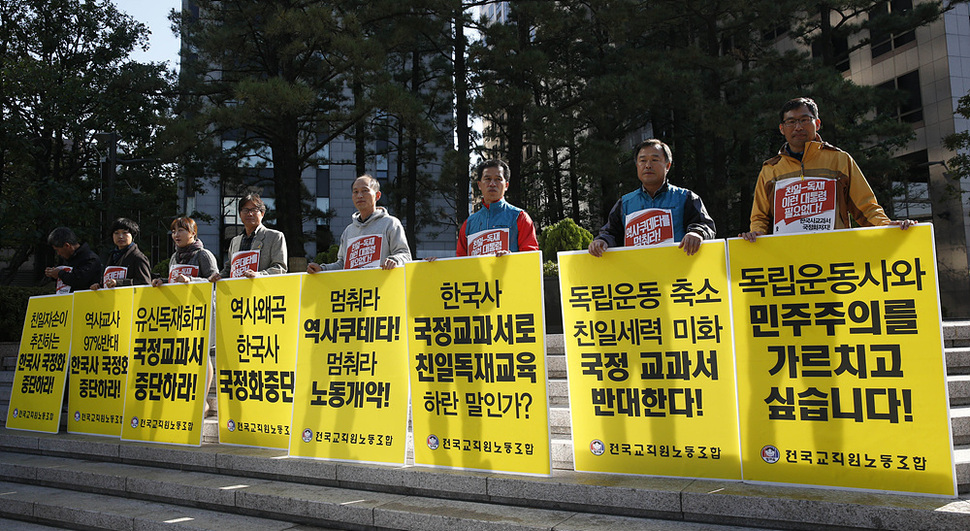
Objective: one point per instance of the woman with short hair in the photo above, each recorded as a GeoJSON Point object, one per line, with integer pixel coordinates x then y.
{"type": "Point", "coordinates": [126, 265]}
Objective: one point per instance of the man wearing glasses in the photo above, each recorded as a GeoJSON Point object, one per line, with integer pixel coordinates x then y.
{"type": "Point", "coordinates": [497, 228]}
{"type": "Point", "coordinates": [811, 185]}
{"type": "Point", "coordinates": [258, 251]}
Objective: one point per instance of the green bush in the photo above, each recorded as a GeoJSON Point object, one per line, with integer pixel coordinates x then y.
{"type": "Point", "coordinates": [327, 257]}
{"type": "Point", "coordinates": [565, 235]}
{"type": "Point", "coordinates": [13, 308]}
{"type": "Point", "coordinates": [161, 268]}
{"type": "Point", "coordinates": [550, 269]}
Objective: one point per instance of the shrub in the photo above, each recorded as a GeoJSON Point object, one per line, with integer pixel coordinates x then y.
{"type": "Point", "coordinates": [550, 269]}
{"type": "Point", "coordinates": [161, 269]}
{"type": "Point", "coordinates": [565, 235]}
{"type": "Point", "coordinates": [13, 308]}
{"type": "Point", "coordinates": [327, 257]}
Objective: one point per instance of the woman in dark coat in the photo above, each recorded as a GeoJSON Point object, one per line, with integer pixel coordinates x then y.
{"type": "Point", "coordinates": [126, 265]}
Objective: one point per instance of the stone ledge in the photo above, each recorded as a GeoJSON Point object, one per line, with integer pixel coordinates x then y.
{"type": "Point", "coordinates": [605, 494]}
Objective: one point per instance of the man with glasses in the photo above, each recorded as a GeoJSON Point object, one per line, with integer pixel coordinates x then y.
{"type": "Point", "coordinates": [811, 185]}
{"type": "Point", "coordinates": [497, 228]}
{"type": "Point", "coordinates": [258, 251]}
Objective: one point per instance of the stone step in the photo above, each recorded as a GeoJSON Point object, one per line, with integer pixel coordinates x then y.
{"type": "Point", "coordinates": [956, 334]}
{"type": "Point", "coordinates": [960, 424]}
{"type": "Point", "coordinates": [147, 495]}
{"type": "Point", "coordinates": [88, 510]}
{"type": "Point", "coordinates": [260, 483]}
{"type": "Point", "coordinates": [959, 388]}
{"type": "Point", "coordinates": [958, 360]}
{"type": "Point", "coordinates": [19, 525]}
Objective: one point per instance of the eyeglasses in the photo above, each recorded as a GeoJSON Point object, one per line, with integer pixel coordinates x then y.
{"type": "Point", "coordinates": [805, 121]}
{"type": "Point", "coordinates": [249, 210]}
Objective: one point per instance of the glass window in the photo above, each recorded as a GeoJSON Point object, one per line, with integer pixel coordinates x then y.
{"type": "Point", "coordinates": [910, 110]}
{"type": "Point", "coordinates": [883, 42]}
{"type": "Point", "coordinates": [911, 196]}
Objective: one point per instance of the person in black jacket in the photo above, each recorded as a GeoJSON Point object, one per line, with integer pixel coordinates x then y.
{"type": "Point", "coordinates": [81, 266]}
{"type": "Point", "coordinates": [126, 265]}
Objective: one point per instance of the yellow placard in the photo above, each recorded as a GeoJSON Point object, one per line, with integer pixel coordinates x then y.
{"type": "Point", "coordinates": [38, 385]}
{"type": "Point", "coordinates": [257, 326]}
{"type": "Point", "coordinates": [99, 361]}
{"type": "Point", "coordinates": [478, 372]}
{"type": "Point", "coordinates": [841, 373]}
{"type": "Point", "coordinates": [169, 352]}
{"type": "Point", "coordinates": [651, 371]}
{"type": "Point", "coordinates": [352, 368]}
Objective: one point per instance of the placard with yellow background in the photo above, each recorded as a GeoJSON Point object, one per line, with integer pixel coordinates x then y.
{"type": "Point", "coordinates": [99, 361]}
{"type": "Point", "coordinates": [42, 362]}
{"type": "Point", "coordinates": [841, 373]}
{"type": "Point", "coordinates": [170, 351]}
{"type": "Point", "coordinates": [352, 368]}
{"type": "Point", "coordinates": [651, 370]}
{"type": "Point", "coordinates": [257, 327]}
{"type": "Point", "coordinates": [478, 372]}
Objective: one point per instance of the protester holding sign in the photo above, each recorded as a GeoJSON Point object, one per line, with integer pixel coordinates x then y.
{"type": "Point", "coordinates": [657, 212]}
{"type": "Point", "coordinates": [258, 251]}
{"type": "Point", "coordinates": [191, 262]}
{"type": "Point", "coordinates": [374, 238]}
{"type": "Point", "coordinates": [497, 228]}
{"type": "Point", "coordinates": [81, 266]}
{"type": "Point", "coordinates": [127, 266]}
{"type": "Point", "coordinates": [811, 185]}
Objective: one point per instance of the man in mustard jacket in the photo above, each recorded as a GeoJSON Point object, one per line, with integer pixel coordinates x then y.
{"type": "Point", "coordinates": [811, 185]}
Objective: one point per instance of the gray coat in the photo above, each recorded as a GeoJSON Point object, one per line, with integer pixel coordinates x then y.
{"type": "Point", "coordinates": [272, 252]}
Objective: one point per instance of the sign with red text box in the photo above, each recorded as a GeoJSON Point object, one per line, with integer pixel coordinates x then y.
{"type": "Point", "coordinates": [489, 241]}
{"type": "Point", "coordinates": [244, 261]}
{"type": "Point", "coordinates": [648, 227]}
{"type": "Point", "coordinates": [183, 269]}
{"type": "Point", "coordinates": [115, 272]}
{"type": "Point", "coordinates": [804, 204]}
{"type": "Point", "coordinates": [364, 252]}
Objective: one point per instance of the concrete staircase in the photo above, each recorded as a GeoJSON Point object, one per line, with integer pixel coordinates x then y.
{"type": "Point", "coordinates": [85, 482]}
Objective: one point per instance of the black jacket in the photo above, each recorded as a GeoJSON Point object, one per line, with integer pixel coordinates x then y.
{"type": "Point", "coordinates": [85, 269]}
{"type": "Point", "coordinates": [139, 272]}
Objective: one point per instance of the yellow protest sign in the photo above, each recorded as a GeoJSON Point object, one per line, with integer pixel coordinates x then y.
{"type": "Point", "coordinates": [169, 352]}
{"type": "Point", "coordinates": [478, 372]}
{"type": "Point", "coordinates": [648, 350]}
{"type": "Point", "coordinates": [38, 385]}
{"type": "Point", "coordinates": [257, 326]}
{"type": "Point", "coordinates": [841, 373]}
{"type": "Point", "coordinates": [352, 368]}
{"type": "Point", "coordinates": [99, 361]}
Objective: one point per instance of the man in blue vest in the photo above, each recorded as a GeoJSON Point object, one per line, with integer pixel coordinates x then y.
{"type": "Point", "coordinates": [657, 212]}
{"type": "Point", "coordinates": [497, 228]}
